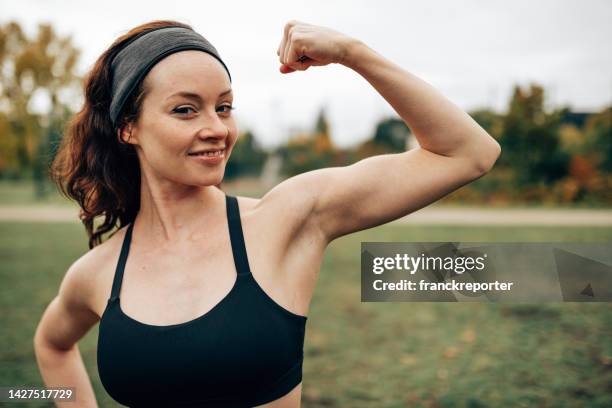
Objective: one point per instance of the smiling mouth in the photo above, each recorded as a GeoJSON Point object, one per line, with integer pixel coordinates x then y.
{"type": "Point", "coordinates": [217, 153]}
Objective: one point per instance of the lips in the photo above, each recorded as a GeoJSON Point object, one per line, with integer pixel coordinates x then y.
{"type": "Point", "coordinates": [208, 153]}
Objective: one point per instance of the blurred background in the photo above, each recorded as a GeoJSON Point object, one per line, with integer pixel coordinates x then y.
{"type": "Point", "coordinates": [536, 75]}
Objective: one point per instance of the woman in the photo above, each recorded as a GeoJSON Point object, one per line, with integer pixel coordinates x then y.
{"type": "Point", "coordinates": [216, 289]}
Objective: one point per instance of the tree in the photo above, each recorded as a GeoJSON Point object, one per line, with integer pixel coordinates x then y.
{"type": "Point", "coordinates": [598, 130]}
{"type": "Point", "coordinates": [310, 150]}
{"type": "Point", "coordinates": [530, 139]}
{"type": "Point", "coordinates": [391, 133]}
{"type": "Point", "coordinates": [247, 157]}
{"type": "Point", "coordinates": [323, 143]}
{"type": "Point", "coordinates": [322, 125]}
{"type": "Point", "coordinates": [42, 65]}
{"type": "Point", "coordinates": [489, 121]}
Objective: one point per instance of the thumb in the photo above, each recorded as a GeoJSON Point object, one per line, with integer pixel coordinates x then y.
{"type": "Point", "coordinates": [285, 69]}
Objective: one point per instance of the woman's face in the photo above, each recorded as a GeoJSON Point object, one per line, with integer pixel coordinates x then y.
{"type": "Point", "coordinates": [187, 109]}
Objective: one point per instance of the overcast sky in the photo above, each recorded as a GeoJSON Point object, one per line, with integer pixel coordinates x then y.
{"type": "Point", "coordinates": [472, 51]}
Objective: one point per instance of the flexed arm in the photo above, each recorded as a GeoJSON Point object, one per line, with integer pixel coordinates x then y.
{"type": "Point", "coordinates": [454, 149]}
{"type": "Point", "coordinates": [438, 124]}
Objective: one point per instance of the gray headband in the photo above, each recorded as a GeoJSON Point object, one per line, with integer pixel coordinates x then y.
{"type": "Point", "coordinates": [136, 59]}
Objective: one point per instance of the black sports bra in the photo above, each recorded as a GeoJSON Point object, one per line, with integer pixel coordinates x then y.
{"type": "Point", "coordinates": [246, 351]}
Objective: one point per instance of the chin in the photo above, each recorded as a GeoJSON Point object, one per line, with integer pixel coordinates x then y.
{"type": "Point", "coordinates": [208, 177]}
{"type": "Point", "coordinates": [211, 181]}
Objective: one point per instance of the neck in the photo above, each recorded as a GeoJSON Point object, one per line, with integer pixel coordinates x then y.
{"type": "Point", "coordinates": [171, 212]}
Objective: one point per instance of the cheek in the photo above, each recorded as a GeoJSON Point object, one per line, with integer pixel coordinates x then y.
{"type": "Point", "coordinates": [164, 143]}
{"type": "Point", "coordinates": [233, 135]}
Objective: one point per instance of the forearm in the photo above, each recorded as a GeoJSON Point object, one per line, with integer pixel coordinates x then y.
{"type": "Point", "coordinates": [438, 125]}
{"type": "Point", "coordinates": [65, 368]}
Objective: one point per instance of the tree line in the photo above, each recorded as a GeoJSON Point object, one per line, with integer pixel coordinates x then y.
{"type": "Point", "coordinates": [548, 155]}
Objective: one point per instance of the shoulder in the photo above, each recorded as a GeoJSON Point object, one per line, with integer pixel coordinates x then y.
{"type": "Point", "coordinates": [247, 204]}
{"type": "Point", "coordinates": [90, 276]}
{"type": "Point", "coordinates": [73, 310]}
{"type": "Point", "coordinates": [288, 208]}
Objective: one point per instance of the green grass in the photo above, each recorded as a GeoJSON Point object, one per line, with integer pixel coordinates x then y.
{"type": "Point", "coordinates": [368, 354]}
{"type": "Point", "coordinates": [24, 193]}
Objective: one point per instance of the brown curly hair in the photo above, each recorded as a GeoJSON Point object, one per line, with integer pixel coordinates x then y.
{"type": "Point", "coordinates": [93, 165]}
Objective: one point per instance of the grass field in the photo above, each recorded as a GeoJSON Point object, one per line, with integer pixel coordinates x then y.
{"type": "Point", "coordinates": [367, 354]}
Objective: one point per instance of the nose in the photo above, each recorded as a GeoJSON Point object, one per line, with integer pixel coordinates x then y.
{"type": "Point", "coordinates": [213, 127]}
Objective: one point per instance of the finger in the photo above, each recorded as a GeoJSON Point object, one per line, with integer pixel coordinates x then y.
{"type": "Point", "coordinates": [306, 63]}
{"type": "Point", "coordinates": [280, 49]}
{"type": "Point", "coordinates": [285, 69]}
{"type": "Point", "coordinates": [294, 59]}
{"type": "Point", "coordinates": [291, 57]}
{"type": "Point", "coordinates": [285, 39]}
{"type": "Point", "coordinates": [289, 26]}
{"type": "Point", "coordinates": [285, 51]}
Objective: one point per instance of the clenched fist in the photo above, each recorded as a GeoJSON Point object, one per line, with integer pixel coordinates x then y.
{"type": "Point", "coordinates": [304, 45]}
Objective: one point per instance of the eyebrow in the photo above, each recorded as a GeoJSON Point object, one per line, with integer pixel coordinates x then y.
{"type": "Point", "coordinates": [191, 95]}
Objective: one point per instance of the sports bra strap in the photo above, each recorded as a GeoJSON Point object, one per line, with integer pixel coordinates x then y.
{"type": "Point", "coordinates": [236, 237]}
{"type": "Point", "coordinates": [125, 248]}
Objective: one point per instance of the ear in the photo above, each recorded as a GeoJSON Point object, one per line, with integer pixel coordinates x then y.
{"type": "Point", "coordinates": [126, 134]}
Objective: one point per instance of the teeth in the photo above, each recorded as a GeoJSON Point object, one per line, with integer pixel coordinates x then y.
{"type": "Point", "coordinates": [216, 153]}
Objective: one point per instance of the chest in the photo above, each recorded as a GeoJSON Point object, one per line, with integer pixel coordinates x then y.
{"type": "Point", "coordinates": [164, 286]}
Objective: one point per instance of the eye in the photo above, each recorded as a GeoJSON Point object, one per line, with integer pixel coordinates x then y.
{"type": "Point", "coordinates": [182, 109]}
{"type": "Point", "coordinates": [227, 108]}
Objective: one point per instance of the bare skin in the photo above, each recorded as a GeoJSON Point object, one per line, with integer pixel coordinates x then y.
{"type": "Point", "coordinates": [182, 221]}
{"type": "Point", "coordinates": [170, 273]}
